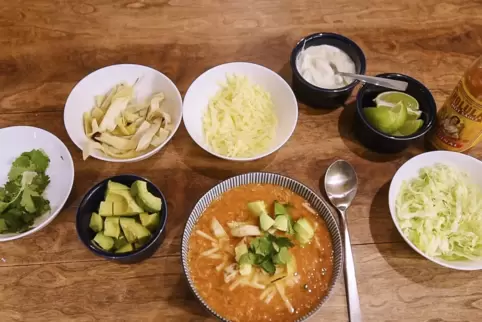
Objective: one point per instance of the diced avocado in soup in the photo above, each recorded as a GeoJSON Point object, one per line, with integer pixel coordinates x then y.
{"type": "Point", "coordinates": [127, 226]}
{"type": "Point", "coordinates": [260, 258]}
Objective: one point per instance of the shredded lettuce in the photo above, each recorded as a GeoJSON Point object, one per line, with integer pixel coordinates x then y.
{"type": "Point", "coordinates": [440, 211]}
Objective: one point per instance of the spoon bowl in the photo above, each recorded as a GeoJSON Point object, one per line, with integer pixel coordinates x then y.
{"type": "Point", "coordinates": [341, 184]}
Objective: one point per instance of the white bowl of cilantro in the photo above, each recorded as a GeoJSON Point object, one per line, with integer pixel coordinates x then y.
{"type": "Point", "coordinates": [435, 201]}
{"type": "Point", "coordinates": [36, 177]}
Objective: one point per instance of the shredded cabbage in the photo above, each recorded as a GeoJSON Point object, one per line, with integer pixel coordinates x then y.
{"type": "Point", "coordinates": [240, 120]}
{"type": "Point", "coordinates": [440, 211]}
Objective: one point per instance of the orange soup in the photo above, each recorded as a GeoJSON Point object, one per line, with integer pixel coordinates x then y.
{"type": "Point", "coordinates": [248, 267]}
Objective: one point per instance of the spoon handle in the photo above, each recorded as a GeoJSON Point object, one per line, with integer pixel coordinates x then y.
{"type": "Point", "coordinates": [350, 278]}
{"type": "Point", "coordinates": [379, 81]}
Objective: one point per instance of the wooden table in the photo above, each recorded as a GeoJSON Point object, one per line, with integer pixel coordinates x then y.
{"type": "Point", "coordinates": [48, 46]}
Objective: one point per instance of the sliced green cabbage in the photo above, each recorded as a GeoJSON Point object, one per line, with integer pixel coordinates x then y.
{"type": "Point", "coordinates": [440, 211]}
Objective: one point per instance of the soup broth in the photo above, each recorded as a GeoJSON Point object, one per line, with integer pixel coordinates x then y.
{"type": "Point", "coordinates": [261, 300]}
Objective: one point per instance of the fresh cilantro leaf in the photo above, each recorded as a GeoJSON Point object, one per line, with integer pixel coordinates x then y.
{"type": "Point", "coordinates": [3, 225]}
{"type": "Point", "coordinates": [249, 258]}
{"type": "Point", "coordinates": [19, 166]}
{"type": "Point", "coordinates": [27, 201]}
{"type": "Point", "coordinates": [40, 182]}
{"type": "Point", "coordinates": [268, 266]}
{"type": "Point", "coordinates": [39, 158]}
{"type": "Point", "coordinates": [42, 205]}
{"type": "Point", "coordinates": [2, 194]}
{"type": "Point", "coordinates": [3, 206]}
{"type": "Point", "coordinates": [261, 246]}
{"type": "Point", "coordinates": [284, 242]}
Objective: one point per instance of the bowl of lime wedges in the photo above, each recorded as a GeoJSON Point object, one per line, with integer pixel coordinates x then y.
{"type": "Point", "coordinates": [388, 121]}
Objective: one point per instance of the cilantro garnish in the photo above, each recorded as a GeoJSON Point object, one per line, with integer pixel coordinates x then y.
{"type": "Point", "coordinates": [21, 198]}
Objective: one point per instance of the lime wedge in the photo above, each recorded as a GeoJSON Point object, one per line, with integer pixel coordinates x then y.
{"type": "Point", "coordinates": [387, 119]}
{"type": "Point", "coordinates": [410, 127]}
{"type": "Point", "coordinates": [391, 98]}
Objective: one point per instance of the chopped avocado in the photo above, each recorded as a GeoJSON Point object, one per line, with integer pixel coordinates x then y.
{"type": "Point", "coordinates": [106, 208]}
{"type": "Point", "coordinates": [104, 242]}
{"type": "Point", "coordinates": [245, 269]}
{"type": "Point", "coordinates": [282, 257]}
{"type": "Point", "coordinates": [115, 186]}
{"type": "Point", "coordinates": [291, 266]}
{"type": "Point", "coordinates": [139, 244]}
{"type": "Point", "coordinates": [281, 222]}
{"type": "Point", "coordinates": [126, 207]}
{"type": "Point", "coordinates": [111, 227]}
{"type": "Point", "coordinates": [240, 250]}
{"type": "Point", "coordinates": [119, 242]}
{"type": "Point", "coordinates": [279, 209]}
{"type": "Point", "coordinates": [125, 249]}
{"type": "Point", "coordinates": [146, 199]}
{"type": "Point", "coordinates": [257, 207]}
{"type": "Point", "coordinates": [247, 258]}
{"type": "Point", "coordinates": [303, 231]}
{"type": "Point", "coordinates": [96, 222]}
{"type": "Point", "coordinates": [3, 225]}
{"type": "Point", "coordinates": [112, 197]}
{"type": "Point", "coordinates": [151, 222]}
{"type": "Point", "coordinates": [133, 230]}
{"type": "Point", "coordinates": [125, 224]}
{"type": "Point", "coordinates": [265, 221]}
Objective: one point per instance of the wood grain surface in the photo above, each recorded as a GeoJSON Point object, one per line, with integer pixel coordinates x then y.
{"type": "Point", "coordinates": [48, 46]}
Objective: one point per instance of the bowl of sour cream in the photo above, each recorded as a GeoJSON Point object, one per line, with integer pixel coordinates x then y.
{"type": "Point", "coordinates": [312, 61]}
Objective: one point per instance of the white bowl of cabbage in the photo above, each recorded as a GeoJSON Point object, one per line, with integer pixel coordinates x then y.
{"type": "Point", "coordinates": [435, 201]}
{"type": "Point", "coordinates": [240, 111]}
{"type": "Point", "coordinates": [123, 113]}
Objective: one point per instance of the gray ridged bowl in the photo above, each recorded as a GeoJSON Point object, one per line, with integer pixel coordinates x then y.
{"type": "Point", "coordinates": [270, 178]}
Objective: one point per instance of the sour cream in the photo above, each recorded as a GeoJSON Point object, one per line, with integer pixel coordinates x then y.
{"type": "Point", "coordinates": [313, 63]}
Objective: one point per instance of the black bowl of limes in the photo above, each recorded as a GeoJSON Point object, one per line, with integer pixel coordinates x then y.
{"type": "Point", "coordinates": [122, 218]}
{"type": "Point", "coordinates": [388, 121]}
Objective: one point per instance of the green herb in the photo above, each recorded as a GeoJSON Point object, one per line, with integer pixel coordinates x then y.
{"type": "Point", "coordinates": [20, 198]}
{"type": "Point", "coordinates": [266, 251]}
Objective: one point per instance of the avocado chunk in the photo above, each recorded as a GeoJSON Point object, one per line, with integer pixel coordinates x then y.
{"type": "Point", "coordinates": [145, 199]}
{"type": "Point", "coordinates": [103, 241]}
{"type": "Point", "coordinates": [115, 186]}
{"type": "Point", "coordinates": [304, 232]}
{"type": "Point", "coordinates": [134, 231]}
{"type": "Point", "coordinates": [282, 257]}
{"type": "Point", "coordinates": [265, 221]}
{"type": "Point", "coordinates": [281, 222]}
{"type": "Point", "coordinates": [106, 208]}
{"type": "Point", "coordinates": [257, 207]}
{"type": "Point", "coordinates": [120, 242]}
{"type": "Point", "coordinates": [111, 227]}
{"type": "Point", "coordinates": [139, 244]}
{"type": "Point", "coordinates": [125, 249]}
{"type": "Point", "coordinates": [245, 269]}
{"type": "Point", "coordinates": [240, 250]}
{"type": "Point", "coordinates": [151, 222]}
{"type": "Point", "coordinates": [96, 222]}
{"type": "Point", "coordinates": [112, 197]}
{"type": "Point", "coordinates": [279, 209]}
{"type": "Point", "coordinates": [127, 206]}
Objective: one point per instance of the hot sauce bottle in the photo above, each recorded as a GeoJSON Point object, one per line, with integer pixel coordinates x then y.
{"type": "Point", "coordinates": [459, 121]}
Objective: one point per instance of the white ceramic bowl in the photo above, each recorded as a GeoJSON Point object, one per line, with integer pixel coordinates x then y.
{"type": "Point", "coordinates": [205, 86]}
{"type": "Point", "coordinates": [410, 169]}
{"type": "Point", "coordinates": [18, 139]}
{"type": "Point", "coordinates": [81, 100]}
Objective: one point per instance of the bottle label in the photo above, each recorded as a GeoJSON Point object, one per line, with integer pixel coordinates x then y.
{"type": "Point", "coordinates": [459, 121]}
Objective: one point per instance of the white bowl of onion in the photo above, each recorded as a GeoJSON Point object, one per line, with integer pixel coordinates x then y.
{"type": "Point", "coordinates": [240, 111]}
{"type": "Point", "coordinates": [435, 200]}
{"type": "Point", "coordinates": [123, 113]}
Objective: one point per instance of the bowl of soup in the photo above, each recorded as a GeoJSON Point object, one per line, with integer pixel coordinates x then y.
{"type": "Point", "coordinates": [261, 247]}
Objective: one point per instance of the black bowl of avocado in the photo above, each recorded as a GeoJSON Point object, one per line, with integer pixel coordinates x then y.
{"type": "Point", "coordinates": [122, 218]}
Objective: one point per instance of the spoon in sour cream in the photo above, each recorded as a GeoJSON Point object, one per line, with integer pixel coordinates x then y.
{"type": "Point", "coordinates": [378, 81]}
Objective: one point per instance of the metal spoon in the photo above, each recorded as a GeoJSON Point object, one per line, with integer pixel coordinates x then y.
{"type": "Point", "coordinates": [378, 81]}
{"type": "Point", "coordinates": [341, 185]}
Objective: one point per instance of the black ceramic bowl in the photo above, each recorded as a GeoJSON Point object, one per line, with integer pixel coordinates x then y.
{"type": "Point", "coordinates": [321, 97]}
{"type": "Point", "coordinates": [378, 141]}
{"type": "Point", "coordinates": [90, 203]}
